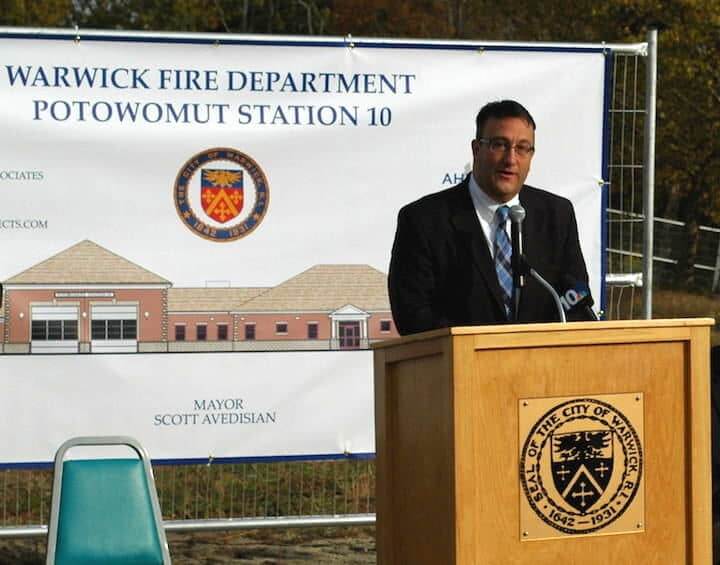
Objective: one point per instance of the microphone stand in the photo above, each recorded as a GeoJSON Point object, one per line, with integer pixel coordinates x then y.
{"type": "Point", "coordinates": [561, 312]}
{"type": "Point", "coordinates": [517, 215]}
{"type": "Point", "coordinates": [522, 263]}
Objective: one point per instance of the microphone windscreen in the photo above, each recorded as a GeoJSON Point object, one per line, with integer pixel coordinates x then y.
{"type": "Point", "coordinates": [517, 214]}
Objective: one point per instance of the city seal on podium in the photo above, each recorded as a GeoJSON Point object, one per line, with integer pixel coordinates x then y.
{"type": "Point", "coordinates": [581, 464]}
{"type": "Point", "coordinates": [227, 199]}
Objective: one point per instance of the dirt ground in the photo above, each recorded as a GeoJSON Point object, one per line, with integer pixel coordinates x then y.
{"type": "Point", "coordinates": [266, 547]}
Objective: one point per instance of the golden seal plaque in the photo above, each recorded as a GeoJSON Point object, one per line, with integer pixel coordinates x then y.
{"type": "Point", "coordinates": [581, 466]}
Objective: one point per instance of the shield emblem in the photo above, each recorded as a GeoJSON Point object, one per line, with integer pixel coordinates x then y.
{"type": "Point", "coordinates": [582, 464]}
{"type": "Point", "coordinates": [221, 193]}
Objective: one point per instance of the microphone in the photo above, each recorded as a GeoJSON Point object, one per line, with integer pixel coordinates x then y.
{"type": "Point", "coordinates": [576, 298]}
{"type": "Point", "coordinates": [517, 215]}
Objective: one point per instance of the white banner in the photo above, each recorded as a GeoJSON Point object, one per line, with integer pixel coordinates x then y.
{"type": "Point", "coordinates": [162, 197]}
{"type": "Point", "coordinates": [191, 406]}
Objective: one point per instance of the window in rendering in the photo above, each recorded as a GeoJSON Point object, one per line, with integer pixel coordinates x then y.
{"type": "Point", "coordinates": [113, 329]}
{"type": "Point", "coordinates": [129, 329]}
{"type": "Point", "coordinates": [349, 334]}
{"type": "Point", "coordinates": [43, 330]}
{"type": "Point", "coordinates": [312, 330]}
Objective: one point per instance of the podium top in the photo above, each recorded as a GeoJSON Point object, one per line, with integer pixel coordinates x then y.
{"type": "Point", "coordinates": [555, 327]}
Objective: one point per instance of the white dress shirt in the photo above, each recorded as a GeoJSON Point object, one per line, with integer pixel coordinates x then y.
{"type": "Point", "coordinates": [485, 208]}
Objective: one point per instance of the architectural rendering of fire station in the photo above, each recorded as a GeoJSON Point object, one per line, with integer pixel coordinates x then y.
{"type": "Point", "coordinates": [87, 299]}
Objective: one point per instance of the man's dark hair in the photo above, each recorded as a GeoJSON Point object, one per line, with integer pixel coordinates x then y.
{"type": "Point", "coordinates": [501, 109]}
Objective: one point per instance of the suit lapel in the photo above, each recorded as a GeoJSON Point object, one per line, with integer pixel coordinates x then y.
{"type": "Point", "coordinates": [534, 238]}
{"type": "Point", "coordinates": [465, 221]}
{"type": "Point", "coordinates": [535, 233]}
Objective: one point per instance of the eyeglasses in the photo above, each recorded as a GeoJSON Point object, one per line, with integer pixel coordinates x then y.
{"type": "Point", "coordinates": [503, 145]}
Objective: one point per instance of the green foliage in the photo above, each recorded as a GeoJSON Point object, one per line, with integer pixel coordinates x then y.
{"type": "Point", "coordinates": [30, 13]}
{"type": "Point", "coordinates": [210, 16]}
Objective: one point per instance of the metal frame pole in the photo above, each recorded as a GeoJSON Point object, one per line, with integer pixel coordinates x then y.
{"type": "Point", "coordinates": [224, 525]}
{"type": "Point", "coordinates": [78, 34]}
{"type": "Point", "coordinates": [649, 177]}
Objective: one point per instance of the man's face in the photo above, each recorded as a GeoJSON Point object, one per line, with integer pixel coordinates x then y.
{"type": "Point", "coordinates": [501, 173]}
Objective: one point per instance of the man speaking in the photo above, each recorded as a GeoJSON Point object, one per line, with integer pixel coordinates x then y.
{"type": "Point", "coordinates": [452, 260]}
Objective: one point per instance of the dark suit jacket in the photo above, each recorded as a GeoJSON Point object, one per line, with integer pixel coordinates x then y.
{"type": "Point", "coordinates": [442, 273]}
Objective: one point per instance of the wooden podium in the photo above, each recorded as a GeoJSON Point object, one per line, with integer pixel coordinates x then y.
{"type": "Point", "coordinates": [479, 429]}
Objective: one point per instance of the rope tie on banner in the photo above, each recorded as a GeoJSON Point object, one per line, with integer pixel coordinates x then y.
{"type": "Point", "coordinates": [77, 35]}
{"type": "Point", "coordinates": [349, 43]}
{"type": "Point", "coordinates": [210, 459]}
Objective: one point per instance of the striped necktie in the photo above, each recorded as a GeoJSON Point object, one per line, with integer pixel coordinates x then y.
{"type": "Point", "coordinates": [503, 252]}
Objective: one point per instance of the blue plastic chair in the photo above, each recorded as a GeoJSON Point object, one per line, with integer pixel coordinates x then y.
{"type": "Point", "coordinates": [105, 510]}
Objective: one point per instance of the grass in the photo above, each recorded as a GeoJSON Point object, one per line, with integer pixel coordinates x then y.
{"type": "Point", "coordinates": [667, 303]}
{"type": "Point", "coordinates": [679, 304]}
{"type": "Point", "coordinates": [197, 492]}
